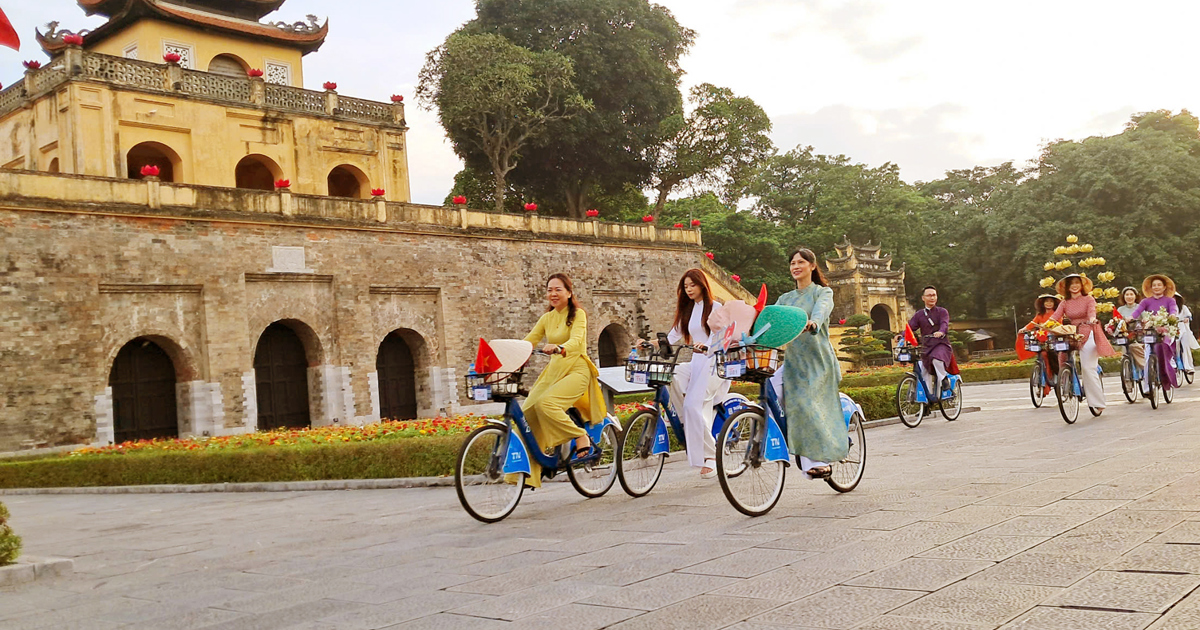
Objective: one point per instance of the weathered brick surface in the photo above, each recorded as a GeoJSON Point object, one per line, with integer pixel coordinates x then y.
{"type": "Point", "coordinates": [76, 287]}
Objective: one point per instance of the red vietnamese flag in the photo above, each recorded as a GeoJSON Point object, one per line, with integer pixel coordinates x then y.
{"type": "Point", "coordinates": [909, 337]}
{"type": "Point", "coordinates": [762, 299]}
{"type": "Point", "coordinates": [486, 360]}
{"type": "Point", "coordinates": [8, 35]}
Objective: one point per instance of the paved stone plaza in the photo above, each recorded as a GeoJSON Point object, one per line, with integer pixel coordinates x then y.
{"type": "Point", "coordinates": [1007, 518]}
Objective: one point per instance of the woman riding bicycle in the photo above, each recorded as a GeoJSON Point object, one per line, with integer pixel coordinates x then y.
{"type": "Point", "coordinates": [1130, 297]}
{"type": "Point", "coordinates": [1159, 292]}
{"type": "Point", "coordinates": [1080, 308]}
{"type": "Point", "coordinates": [816, 428]}
{"type": "Point", "coordinates": [1043, 308]}
{"type": "Point", "coordinates": [568, 381]}
{"type": "Point", "coordinates": [696, 384]}
{"type": "Point", "coordinates": [1187, 339]}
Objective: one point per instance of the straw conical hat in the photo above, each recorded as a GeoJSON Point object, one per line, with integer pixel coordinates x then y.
{"type": "Point", "coordinates": [736, 313]}
{"type": "Point", "coordinates": [513, 353]}
{"type": "Point", "coordinates": [1170, 292]}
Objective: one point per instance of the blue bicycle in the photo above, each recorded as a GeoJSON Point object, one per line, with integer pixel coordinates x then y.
{"type": "Point", "coordinates": [752, 452]}
{"type": "Point", "coordinates": [1069, 390]}
{"type": "Point", "coordinates": [913, 398]}
{"type": "Point", "coordinates": [1131, 375]}
{"type": "Point", "coordinates": [494, 461]}
{"type": "Point", "coordinates": [646, 438]}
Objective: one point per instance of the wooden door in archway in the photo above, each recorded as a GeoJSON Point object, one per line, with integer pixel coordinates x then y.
{"type": "Point", "coordinates": [397, 379]}
{"type": "Point", "coordinates": [281, 379]}
{"type": "Point", "coordinates": [143, 391]}
{"type": "Point", "coordinates": [607, 347]}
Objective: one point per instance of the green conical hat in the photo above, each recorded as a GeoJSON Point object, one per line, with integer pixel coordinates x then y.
{"type": "Point", "coordinates": [779, 325]}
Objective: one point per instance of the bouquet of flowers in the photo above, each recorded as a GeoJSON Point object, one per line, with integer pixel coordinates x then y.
{"type": "Point", "coordinates": [1161, 322]}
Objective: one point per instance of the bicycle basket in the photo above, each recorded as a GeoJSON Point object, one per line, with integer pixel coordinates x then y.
{"type": "Point", "coordinates": [1121, 340]}
{"type": "Point", "coordinates": [484, 387]}
{"type": "Point", "coordinates": [1032, 343]}
{"type": "Point", "coordinates": [906, 354]}
{"type": "Point", "coordinates": [1062, 343]}
{"type": "Point", "coordinates": [1150, 337]}
{"type": "Point", "coordinates": [650, 371]}
{"type": "Point", "coordinates": [747, 363]}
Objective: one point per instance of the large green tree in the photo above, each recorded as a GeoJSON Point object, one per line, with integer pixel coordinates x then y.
{"type": "Point", "coordinates": [718, 145]}
{"type": "Point", "coordinates": [495, 98]}
{"type": "Point", "coordinates": [625, 55]}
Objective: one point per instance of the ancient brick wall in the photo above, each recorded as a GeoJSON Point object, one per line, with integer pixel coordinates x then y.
{"type": "Point", "coordinates": [79, 281]}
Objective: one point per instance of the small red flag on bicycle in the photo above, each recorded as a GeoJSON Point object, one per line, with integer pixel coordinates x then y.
{"type": "Point", "coordinates": [762, 299]}
{"type": "Point", "coordinates": [909, 337]}
{"type": "Point", "coordinates": [8, 35]}
{"type": "Point", "coordinates": [486, 360]}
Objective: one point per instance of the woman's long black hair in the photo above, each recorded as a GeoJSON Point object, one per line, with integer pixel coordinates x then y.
{"type": "Point", "coordinates": [807, 254]}
{"type": "Point", "coordinates": [572, 305]}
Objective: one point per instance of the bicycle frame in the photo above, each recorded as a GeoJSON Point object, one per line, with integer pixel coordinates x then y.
{"type": "Point", "coordinates": [517, 454]}
{"type": "Point", "coordinates": [923, 395]}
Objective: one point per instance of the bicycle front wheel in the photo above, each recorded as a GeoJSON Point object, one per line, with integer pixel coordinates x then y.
{"type": "Point", "coordinates": [952, 407]}
{"type": "Point", "coordinates": [848, 472]}
{"type": "Point", "coordinates": [479, 479]}
{"type": "Point", "coordinates": [752, 484]}
{"type": "Point", "coordinates": [1068, 400]}
{"type": "Point", "coordinates": [594, 477]}
{"type": "Point", "coordinates": [907, 407]}
{"type": "Point", "coordinates": [1168, 392]}
{"type": "Point", "coordinates": [1152, 377]}
{"type": "Point", "coordinates": [1037, 391]}
{"type": "Point", "coordinates": [637, 468]}
{"type": "Point", "coordinates": [1128, 384]}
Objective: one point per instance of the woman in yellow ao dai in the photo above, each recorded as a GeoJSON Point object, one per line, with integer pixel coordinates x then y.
{"type": "Point", "coordinates": [568, 381]}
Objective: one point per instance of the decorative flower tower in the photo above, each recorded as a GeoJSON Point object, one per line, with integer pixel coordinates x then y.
{"type": "Point", "coordinates": [1073, 255]}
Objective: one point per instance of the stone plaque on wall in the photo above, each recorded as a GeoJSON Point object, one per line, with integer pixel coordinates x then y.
{"type": "Point", "coordinates": [288, 260]}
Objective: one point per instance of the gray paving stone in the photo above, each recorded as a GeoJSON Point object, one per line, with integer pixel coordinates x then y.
{"type": "Point", "coordinates": [531, 601]}
{"type": "Point", "coordinates": [891, 622]}
{"type": "Point", "coordinates": [931, 532]}
{"type": "Point", "coordinates": [1029, 498]}
{"type": "Point", "coordinates": [194, 619]}
{"type": "Point", "coordinates": [392, 613]}
{"type": "Point", "coordinates": [1187, 532]}
{"type": "Point", "coordinates": [576, 617]}
{"type": "Point", "coordinates": [1133, 592]}
{"type": "Point", "coordinates": [1175, 558]}
{"type": "Point", "coordinates": [839, 607]}
{"type": "Point", "coordinates": [1043, 618]}
{"type": "Point", "coordinates": [450, 621]}
{"type": "Point", "coordinates": [747, 563]}
{"type": "Point", "coordinates": [1074, 507]}
{"type": "Point", "coordinates": [982, 547]}
{"type": "Point", "coordinates": [1108, 543]}
{"type": "Point", "coordinates": [984, 514]}
{"type": "Point", "coordinates": [520, 580]}
{"type": "Point", "coordinates": [661, 591]}
{"type": "Point", "coordinates": [921, 574]}
{"type": "Point", "coordinates": [1043, 569]}
{"type": "Point", "coordinates": [706, 612]}
{"type": "Point", "coordinates": [820, 540]}
{"type": "Point", "coordinates": [886, 519]}
{"type": "Point", "coordinates": [787, 583]}
{"type": "Point", "coordinates": [1035, 525]}
{"type": "Point", "coordinates": [977, 602]}
{"type": "Point", "coordinates": [1134, 519]}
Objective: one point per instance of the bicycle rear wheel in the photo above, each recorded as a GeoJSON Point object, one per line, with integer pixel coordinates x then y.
{"type": "Point", "coordinates": [849, 471]}
{"type": "Point", "coordinates": [907, 407]}
{"type": "Point", "coordinates": [1152, 377]}
{"type": "Point", "coordinates": [750, 483]}
{"type": "Point", "coordinates": [594, 477]}
{"type": "Point", "coordinates": [637, 468]}
{"type": "Point", "coordinates": [952, 407]}
{"type": "Point", "coordinates": [1037, 391]}
{"type": "Point", "coordinates": [1168, 393]}
{"type": "Point", "coordinates": [1128, 384]}
{"type": "Point", "coordinates": [1068, 401]}
{"type": "Point", "coordinates": [479, 478]}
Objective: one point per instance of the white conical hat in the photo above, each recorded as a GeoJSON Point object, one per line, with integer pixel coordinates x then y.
{"type": "Point", "coordinates": [513, 353]}
{"type": "Point", "coordinates": [735, 312]}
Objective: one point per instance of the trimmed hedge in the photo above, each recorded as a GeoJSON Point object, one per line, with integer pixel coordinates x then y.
{"type": "Point", "coordinates": [385, 459]}
{"type": "Point", "coordinates": [10, 543]}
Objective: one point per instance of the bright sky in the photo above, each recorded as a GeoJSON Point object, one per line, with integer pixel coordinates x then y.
{"type": "Point", "coordinates": [928, 84]}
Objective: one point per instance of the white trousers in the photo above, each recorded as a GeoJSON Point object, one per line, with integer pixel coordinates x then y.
{"type": "Point", "coordinates": [940, 368]}
{"type": "Point", "coordinates": [693, 391]}
{"type": "Point", "coordinates": [1089, 361]}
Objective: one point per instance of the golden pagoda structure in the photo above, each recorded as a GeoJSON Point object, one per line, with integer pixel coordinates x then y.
{"type": "Point", "coordinates": [864, 283]}
{"type": "Point", "coordinates": [205, 92]}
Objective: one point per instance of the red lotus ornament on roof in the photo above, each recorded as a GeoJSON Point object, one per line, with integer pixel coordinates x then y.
{"type": "Point", "coordinates": [150, 170]}
{"type": "Point", "coordinates": [282, 184]}
{"type": "Point", "coordinates": [736, 278]}
{"type": "Point", "coordinates": [72, 39]}
{"type": "Point", "coordinates": [459, 200]}
{"type": "Point", "coordinates": [531, 207]}
{"type": "Point", "coordinates": [695, 222]}
{"type": "Point", "coordinates": [329, 85]}
{"type": "Point", "coordinates": [254, 73]}
{"type": "Point", "coordinates": [678, 225]}
{"type": "Point", "coordinates": [32, 64]}
{"type": "Point", "coordinates": [397, 98]}
{"type": "Point", "coordinates": [648, 218]}
{"type": "Point", "coordinates": [709, 255]}
{"type": "Point", "coordinates": [172, 57]}
{"type": "Point", "coordinates": [378, 192]}
{"type": "Point", "coordinates": [593, 213]}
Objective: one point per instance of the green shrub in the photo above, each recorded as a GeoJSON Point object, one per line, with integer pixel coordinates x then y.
{"type": "Point", "coordinates": [10, 543]}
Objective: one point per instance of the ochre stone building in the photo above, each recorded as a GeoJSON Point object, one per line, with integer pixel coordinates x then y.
{"type": "Point", "coordinates": [203, 301]}
{"type": "Point", "coordinates": [864, 282]}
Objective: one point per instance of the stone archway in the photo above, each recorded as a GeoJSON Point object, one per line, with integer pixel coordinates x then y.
{"type": "Point", "coordinates": [396, 367]}
{"type": "Point", "coordinates": [228, 65]}
{"type": "Point", "coordinates": [347, 181]}
{"type": "Point", "coordinates": [281, 362]}
{"type": "Point", "coordinates": [881, 318]}
{"type": "Point", "coordinates": [143, 382]}
{"type": "Point", "coordinates": [257, 172]}
{"type": "Point", "coordinates": [612, 340]}
{"type": "Point", "coordinates": [153, 154]}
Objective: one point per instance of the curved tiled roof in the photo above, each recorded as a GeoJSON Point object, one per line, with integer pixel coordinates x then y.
{"type": "Point", "coordinates": [252, 9]}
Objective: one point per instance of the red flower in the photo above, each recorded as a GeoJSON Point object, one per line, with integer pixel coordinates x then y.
{"type": "Point", "coordinates": [842, 321]}
{"type": "Point", "coordinates": [736, 278]}
{"type": "Point", "coordinates": [678, 225]}
{"type": "Point", "coordinates": [377, 192]}
{"type": "Point", "coordinates": [648, 218]}
{"type": "Point", "coordinates": [531, 207]}
{"type": "Point", "coordinates": [460, 200]}
{"type": "Point", "coordinates": [397, 98]}
{"type": "Point", "coordinates": [329, 85]}
{"type": "Point", "coordinates": [172, 57]}
{"type": "Point", "coordinates": [695, 222]}
{"type": "Point", "coordinates": [709, 254]}
{"type": "Point", "coordinates": [150, 170]}
{"type": "Point", "coordinates": [254, 72]}
{"type": "Point", "coordinates": [32, 64]}
{"type": "Point", "coordinates": [283, 183]}
{"type": "Point", "coordinates": [593, 213]}
{"type": "Point", "coordinates": [71, 39]}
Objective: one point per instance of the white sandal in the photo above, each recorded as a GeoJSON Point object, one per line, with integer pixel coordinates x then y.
{"type": "Point", "coordinates": [711, 465]}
